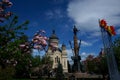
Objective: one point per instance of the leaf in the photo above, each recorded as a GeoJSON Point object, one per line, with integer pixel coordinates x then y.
{"type": "Point", "coordinates": [18, 27]}
{"type": "Point", "coordinates": [15, 17]}
{"type": "Point", "coordinates": [25, 28]}
{"type": "Point", "coordinates": [27, 22]}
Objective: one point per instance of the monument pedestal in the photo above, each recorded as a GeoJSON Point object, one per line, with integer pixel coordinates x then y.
{"type": "Point", "coordinates": [76, 65]}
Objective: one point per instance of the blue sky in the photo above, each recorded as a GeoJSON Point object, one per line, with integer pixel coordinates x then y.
{"type": "Point", "coordinates": [62, 15]}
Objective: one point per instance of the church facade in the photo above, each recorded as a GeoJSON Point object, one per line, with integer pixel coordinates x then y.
{"type": "Point", "coordinates": [56, 53]}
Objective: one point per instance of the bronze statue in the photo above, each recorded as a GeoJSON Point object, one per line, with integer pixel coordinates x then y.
{"type": "Point", "coordinates": [75, 30]}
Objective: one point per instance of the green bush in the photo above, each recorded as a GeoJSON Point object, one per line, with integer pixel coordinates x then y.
{"type": "Point", "coordinates": [7, 73]}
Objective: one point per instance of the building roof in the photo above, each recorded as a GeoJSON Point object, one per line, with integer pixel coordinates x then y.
{"type": "Point", "coordinates": [53, 36]}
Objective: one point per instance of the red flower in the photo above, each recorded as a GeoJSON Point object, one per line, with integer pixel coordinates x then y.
{"type": "Point", "coordinates": [103, 23]}
{"type": "Point", "coordinates": [111, 30]}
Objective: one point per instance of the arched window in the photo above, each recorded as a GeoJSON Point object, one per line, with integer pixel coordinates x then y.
{"type": "Point", "coordinates": [58, 59]}
{"type": "Point", "coordinates": [55, 59]}
{"type": "Point", "coordinates": [64, 63]}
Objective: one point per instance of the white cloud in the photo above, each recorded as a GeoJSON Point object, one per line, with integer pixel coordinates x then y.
{"type": "Point", "coordinates": [83, 43]}
{"type": "Point", "coordinates": [95, 34]}
{"type": "Point", "coordinates": [69, 54]}
{"type": "Point", "coordinates": [84, 55]}
{"type": "Point", "coordinates": [54, 14]}
{"type": "Point", "coordinates": [86, 13]}
{"type": "Point", "coordinates": [60, 45]}
{"type": "Point", "coordinates": [36, 52]}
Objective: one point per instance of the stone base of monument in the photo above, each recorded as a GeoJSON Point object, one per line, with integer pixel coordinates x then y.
{"type": "Point", "coordinates": [82, 75]}
{"type": "Point", "coordinates": [76, 64]}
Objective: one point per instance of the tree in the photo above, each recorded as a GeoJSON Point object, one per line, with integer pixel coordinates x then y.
{"type": "Point", "coordinates": [36, 61]}
{"type": "Point", "coordinates": [103, 66]}
{"type": "Point", "coordinates": [59, 72]}
{"type": "Point", "coordinates": [97, 65]}
{"type": "Point", "coordinates": [3, 13]}
{"type": "Point", "coordinates": [116, 47]}
{"type": "Point", "coordinates": [7, 73]}
{"type": "Point", "coordinates": [46, 64]}
{"type": "Point", "coordinates": [10, 39]}
{"type": "Point", "coordinates": [89, 64]}
{"type": "Point", "coordinates": [15, 48]}
{"type": "Point", "coordinates": [69, 67]}
{"type": "Point", "coordinates": [11, 36]}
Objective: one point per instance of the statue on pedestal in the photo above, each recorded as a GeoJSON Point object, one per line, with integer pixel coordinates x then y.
{"type": "Point", "coordinates": [76, 58]}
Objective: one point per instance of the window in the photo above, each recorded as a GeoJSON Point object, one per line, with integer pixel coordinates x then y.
{"type": "Point", "coordinates": [57, 59]}
{"type": "Point", "coordinates": [64, 63]}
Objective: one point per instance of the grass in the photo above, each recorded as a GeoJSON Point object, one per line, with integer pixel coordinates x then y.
{"type": "Point", "coordinates": [64, 79]}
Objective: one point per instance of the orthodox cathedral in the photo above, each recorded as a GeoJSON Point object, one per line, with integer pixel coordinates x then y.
{"type": "Point", "coordinates": [56, 53]}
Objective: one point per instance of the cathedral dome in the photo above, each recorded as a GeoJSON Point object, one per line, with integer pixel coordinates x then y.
{"type": "Point", "coordinates": [53, 36]}
{"type": "Point", "coordinates": [53, 39]}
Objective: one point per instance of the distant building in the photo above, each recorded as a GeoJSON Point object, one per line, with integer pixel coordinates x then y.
{"type": "Point", "coordinates": [56, 53]}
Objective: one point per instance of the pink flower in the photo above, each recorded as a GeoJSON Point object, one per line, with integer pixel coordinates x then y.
{"type": "Point", "coordinates": [10, 4]}
{"type": "Point", "coordinates": [45, 38]}
{"type": "Point", "coordinates": [35, 41]}
{"type": "Point", "coordinates": [8, 14]}
{"type": "Point", "coordinates": [5, 0]}
{"type": "Point", "coordinates": [42, 31]}
{"type": "Point", "coordinates": [1, 9]}
{"type": "Point", "coordinates": [16, 62]}
{"type": "Point", "coordinates": [36, 37]}
{"type": "Point", "coordinates": [44, 42]}
{"type": "Point", "coordinates": [22, 45]}
{"type": "Point", "coordinates": [27, 47]}
{"type": "Point", "coordinates": [37, 47]}
{"type": "Point", "coordinates": [28, 52]}
{"type": "Point", "coordinates": [2, 15]}
{"type": "Point", "coordinates": [40, 38]}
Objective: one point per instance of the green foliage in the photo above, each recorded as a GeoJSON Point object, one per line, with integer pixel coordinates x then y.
{"type": "Point", "coordinates": [103, 65]}
{"type": "Point", "coordinates": [97, 65]}
{"type": "Point", "coordinates": [69, 67]}
{"type": "Point", "coordinates": [41, 65]}
{"type": "Point", "coordinates": [11, 31]}
{"type": "Point", "coordinates": [7, 73]}
{"type": "Point", "coordinates": [10, 39]}
{"type": "Point", "coordinates": [46, 60]}
{"type": "Point", "coordinates": [11, 36]}
{"type": "Point", "coordinates": [91, 66]}
{"type": "Point", "coordinates": [36, 61]}
{"type": "Point", "coordinates": [23, 66]}
{"type": "Point", "coordinates": [116, 48]}
{"type": "Point", "coordinates": [59, 72]}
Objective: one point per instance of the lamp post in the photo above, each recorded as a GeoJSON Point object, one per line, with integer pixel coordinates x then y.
{"type": "Point", "coordinates": [107, 42]}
